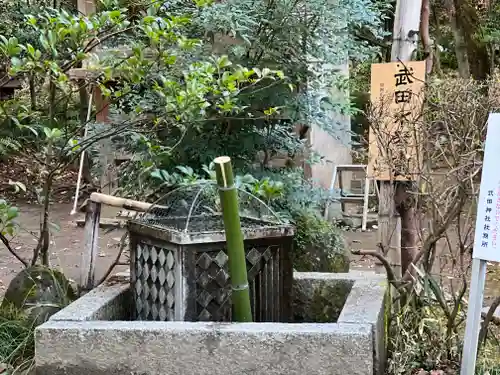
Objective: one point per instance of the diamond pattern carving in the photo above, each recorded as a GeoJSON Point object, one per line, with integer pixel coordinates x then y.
{"type": "Point", "coordinates": [222, 278]}
{"type": "Point", "coordinates": [162, 258]}
{"type": "Point", "coordinates": [204, 261]}
{"type": "Point", "coordinates": [213, 286]}
{"type": "Point", "coordinates": [253, 256]}
{"type": "Point", "coordinates": [221, 258]}
{"type": "Point", "coordinates": [155, 282]}
{"type": "Point", "coordinates": [207, 292]}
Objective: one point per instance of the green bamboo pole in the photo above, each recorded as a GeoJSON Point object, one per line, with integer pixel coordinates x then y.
{"type": "Point", "coordinates": [242, 311]}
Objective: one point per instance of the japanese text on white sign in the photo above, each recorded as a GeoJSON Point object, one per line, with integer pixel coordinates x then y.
{"type": "Point", "coordinates": [486, 241]}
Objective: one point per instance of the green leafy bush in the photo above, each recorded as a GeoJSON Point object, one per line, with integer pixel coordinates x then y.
{"type": "Point", "coordinates": [7, 215]}
{"type": "Point", "coordinates": [318, 244]}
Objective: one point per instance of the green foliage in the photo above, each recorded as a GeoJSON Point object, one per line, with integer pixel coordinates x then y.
{"type": "Point", "coordinates": [278, 35]}
{"type": "Point", "coordinates": [489, 30]}
{"type": "Point", "coordinates": [318, 245]}
{"type": "Point", "coordinates": [181, 92]}
{"type": "Point", "coordinates": [12, 20]}
{"type": "Point", "coordinates": [8, 146]}
{"type": "Point", "coordinates": [419, 338]}
{"type": "Point", "coordinates": [167, 87]}
{"type": "Point", "coordinates": [17, 337]}
{"type": "Point", "coordinates": [7, 215]}
{"type": "Point", "coordinates": [290, 34]}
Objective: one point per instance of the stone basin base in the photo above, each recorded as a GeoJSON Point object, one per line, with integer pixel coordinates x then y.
{"type": "Point", "coordinates": [94, 336]}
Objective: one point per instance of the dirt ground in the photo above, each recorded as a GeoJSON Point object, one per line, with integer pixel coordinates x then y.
{"type": "Point", "coordinates": [67, 243]}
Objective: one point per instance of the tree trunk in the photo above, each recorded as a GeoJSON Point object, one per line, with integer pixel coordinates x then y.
{"type": "Point", "coordinates": [32, 92]}
{"type": "Point", "coordinates": [460, 45]}
{"type": "Point", "coordinates": [406, 207]}
{"type": "Point", "coordinates": [472, 55]}
{"type": "Point", "coordinates": [405, 40]}
{"type": "Point", "coordinates": [469, 23]}
{"type": "Point", "coordinates": [426, 38]}
{"type": "Point", "coordinates": [406, 29]}
{"type": "Point", "coordinates": [438, 39]}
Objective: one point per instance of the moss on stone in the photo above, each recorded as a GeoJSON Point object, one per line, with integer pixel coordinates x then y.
{"type": "Point", "coordinates": [319, 302]}
{"type": "Point", "coordinates": [327, 303]}
{"type": "Point", "coordinates": [40, 291]}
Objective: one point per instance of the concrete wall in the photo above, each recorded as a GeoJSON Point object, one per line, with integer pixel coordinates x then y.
{"type": "Point", "coordinates": [74, 343]}
{"type": "Point", "coordinates": [333, 146]}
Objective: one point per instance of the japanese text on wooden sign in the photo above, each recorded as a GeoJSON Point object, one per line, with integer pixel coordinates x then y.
{"type": "Point", "coordinates": [397, 100]}
{"type": "Point", "coordinates": [486, 239]}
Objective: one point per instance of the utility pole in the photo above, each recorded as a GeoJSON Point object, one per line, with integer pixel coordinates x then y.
{"type": "Point", "coordinates": [396, 231]}
{"type": "Point", "coordinates": [406, 29]}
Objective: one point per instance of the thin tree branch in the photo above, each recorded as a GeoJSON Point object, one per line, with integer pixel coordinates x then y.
{"type": "Point", "coordinates": [487, 319]}
{"type": "Point", "coordinates": [374, 253]}
{"type": "Point", "coordinates": [11, 250]}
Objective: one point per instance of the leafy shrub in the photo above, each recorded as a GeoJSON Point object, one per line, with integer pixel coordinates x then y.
{"type": "Point", "coordinates": [8, 146]}
{"type": "Point", "coordinates": [318, 245]}
{"type": "Point", "coordinates": [7, 215]}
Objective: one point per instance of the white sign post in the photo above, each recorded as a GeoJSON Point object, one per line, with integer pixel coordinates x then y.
{"type": "Point", "coordinates": [486, 241]}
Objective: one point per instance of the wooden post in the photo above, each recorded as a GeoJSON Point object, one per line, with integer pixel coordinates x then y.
{"type": "Point", "coordinates": [389, 228]}
{"type": "Point", "coordinates": [366, 197]}
{"type": "Point", "coordinates": [102, 106]}
{"type": "Point", "coordinates": [405, 40]}
{"type": "Point", "coordinates": [91, 245]}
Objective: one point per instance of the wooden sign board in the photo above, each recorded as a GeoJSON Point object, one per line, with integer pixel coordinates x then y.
{"type": "Point", "coordinates": [397, 101]}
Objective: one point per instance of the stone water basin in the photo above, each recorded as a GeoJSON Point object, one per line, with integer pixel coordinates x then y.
{"type": "Point", "coordinates": [337, 328]}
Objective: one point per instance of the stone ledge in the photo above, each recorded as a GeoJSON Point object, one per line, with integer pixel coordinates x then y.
{"type": "Point", "coordinates": [179, 348]}
{"type": "Point", "coordinates": [366, 305]}
{"type": "Point", "coordinates": [111, 299]}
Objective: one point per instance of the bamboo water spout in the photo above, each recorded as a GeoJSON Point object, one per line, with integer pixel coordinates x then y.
{"type": "Point", "coordinates": [242, 311]}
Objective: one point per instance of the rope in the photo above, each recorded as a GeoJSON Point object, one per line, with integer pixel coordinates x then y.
{"type": "Point", "coordinates": [82, 156]}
